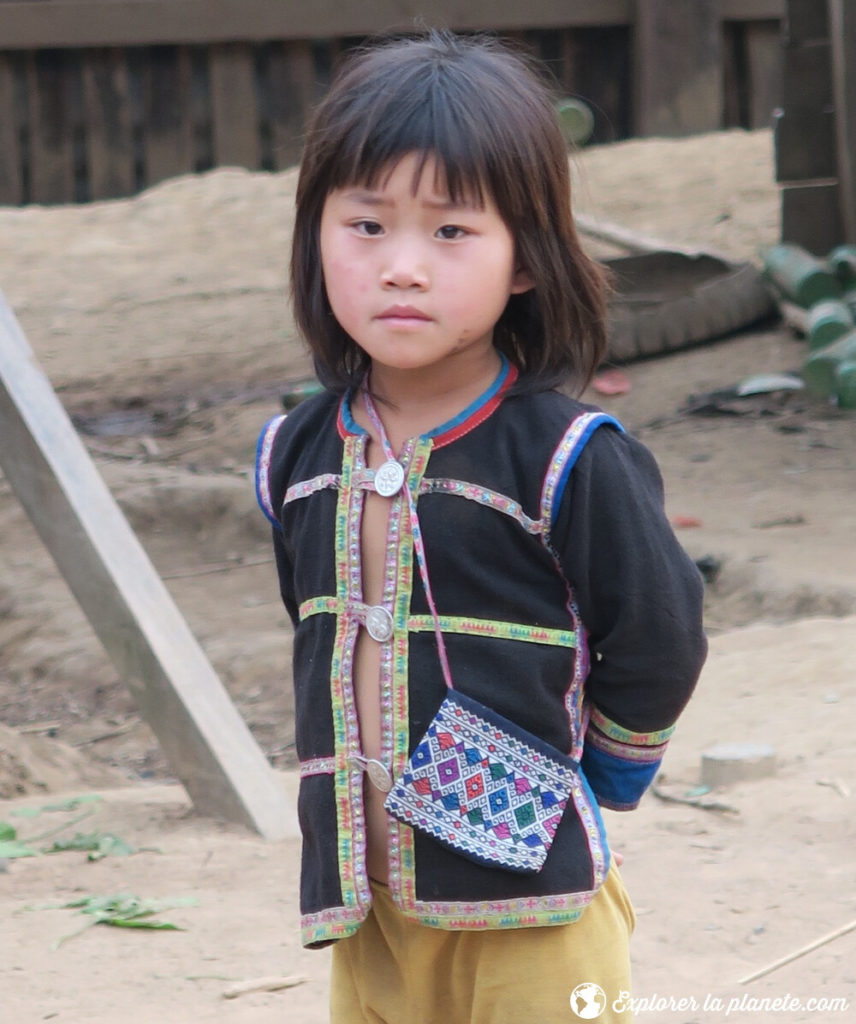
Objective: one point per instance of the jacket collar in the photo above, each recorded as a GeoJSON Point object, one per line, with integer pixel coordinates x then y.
{"type": "Point", "coordinates": [466, 420]}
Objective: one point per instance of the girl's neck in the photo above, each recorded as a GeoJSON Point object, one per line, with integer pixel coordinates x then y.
{"type": "Point", "coordinates": [412, 403]}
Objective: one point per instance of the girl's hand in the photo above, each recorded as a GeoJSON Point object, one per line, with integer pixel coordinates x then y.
{"type": "Point", "coordinates": [617, 857]}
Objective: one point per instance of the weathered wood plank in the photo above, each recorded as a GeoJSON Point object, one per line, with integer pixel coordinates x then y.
{"type": "Point", "coordinates": [569, 62]}
{"type": "Point", "coordinates": [764, 61]}
{"type": "Point", "coordinates": [842, 17]}
{"type": "Point", "coordinates": [806, 21]}
{"type": "Point", "coordinates": [751, 10]}
{"type": "Point", "coordinates": [811, 216]}
{"type": "Point", "coordinates": [234, 110]}
{"type": "Point", "coordinates": [207, 743]}
{"type": "Point", "coordinates": [678, 63]}
{"type": "Point", "coordinates": [168, 133]}
{"type": "Point", "coordinates": [807, 76]}
{"type": "Point", "coordinates": [11, 176]}
{"type": "Point", "coordinates": [26, 25]}
{"type": "Point", "coordinates": [606, 83]}
{"type": "Point", "coordinates": [108, 138]}
{"type": "Point", "coordinates": [804, 144]}
{"type": "Point", "coordinates": [292, 89]}
{"type": "Point", "coordinates": [50, 95]}
{"type": "Point", "coordinates": [733, 76]}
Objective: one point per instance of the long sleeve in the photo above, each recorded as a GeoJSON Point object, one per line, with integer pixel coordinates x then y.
{"type": "Point", "coordinates": [640, 598]}
{"type": "Point", "coordinates": [269, 493]}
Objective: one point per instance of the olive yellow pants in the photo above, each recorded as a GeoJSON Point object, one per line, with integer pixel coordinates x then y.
{"type": "Point", "coordinates": [396, 971]}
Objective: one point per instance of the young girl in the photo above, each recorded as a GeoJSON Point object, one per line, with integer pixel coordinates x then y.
{"type": "Point", "coordinates": [450, 528]}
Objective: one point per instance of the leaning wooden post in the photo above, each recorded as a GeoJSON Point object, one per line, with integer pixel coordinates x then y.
{"type": "Point", "coordinates": [206, 742]}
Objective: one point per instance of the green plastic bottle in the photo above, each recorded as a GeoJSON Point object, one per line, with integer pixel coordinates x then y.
{"type": "Point", "coordinates": [820, 368]}
{"type": "Point", "coordinates": [799, 276]}
{"type": "Point", "coordinates": [842, 262]}
{"type": "Point", "coordinates": [845, 384]}
{"type": "Point", "coordinates": [827, 321]}
{"type": "Point", "coordinates": [849, 299]}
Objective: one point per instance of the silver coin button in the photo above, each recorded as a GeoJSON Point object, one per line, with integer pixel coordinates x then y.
{"type": "Point", "coordinates": [379, 775]}
{"type": "Point", "coordinates": [389, 478]}
{"type": "Point", "coordinates": [379, 623]}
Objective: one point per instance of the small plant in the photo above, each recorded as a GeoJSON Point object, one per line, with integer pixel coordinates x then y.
{"type": "Point", "coordinates": [122, 910]}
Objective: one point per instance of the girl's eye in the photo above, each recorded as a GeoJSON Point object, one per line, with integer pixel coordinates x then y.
{"type": "Point", "coordinates": [371, 228]}
{"type": "Point", "coordinates": [450, 232]}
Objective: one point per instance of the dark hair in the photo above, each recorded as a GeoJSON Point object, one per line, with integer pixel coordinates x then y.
{"type": "Point", "coordinates": [486, 116]}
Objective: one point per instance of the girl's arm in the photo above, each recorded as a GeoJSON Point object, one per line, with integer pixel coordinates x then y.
{"type": "Point", "coordinates": [270, 489]}
{"type": "Point", "coordinates": [640, 598]}
{"type": "Point", "coordinates": [285, 573]}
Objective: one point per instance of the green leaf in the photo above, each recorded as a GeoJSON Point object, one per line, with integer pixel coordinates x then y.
{"type": "Point", "coordinates": [79, 842]}
{"type": "Point", "coordinates": [98, 844]}
{"type": "Point", "coordinates": [124, 906]}
{"type": "Point", "coordinates": [7, 831]}
{"type": "Point", "coordinates": [111, 846]}
{"type": "Point", "coordinates": [26, 812]}
{"type": "Point", "coordinates": [121, 922]}
{"type": "Point", "coordinates": [11, 848]}
{"type": "Point", "coordinates": [120, 910]}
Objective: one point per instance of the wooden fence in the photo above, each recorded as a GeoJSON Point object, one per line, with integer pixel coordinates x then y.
{"type": "Point", "coordinates": [815, 129]}
{"type": "Point", "coordinates": [102, 98]}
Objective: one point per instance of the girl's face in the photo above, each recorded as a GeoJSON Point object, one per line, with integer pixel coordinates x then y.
{"type": "Point", "coordinates": [416, 279]}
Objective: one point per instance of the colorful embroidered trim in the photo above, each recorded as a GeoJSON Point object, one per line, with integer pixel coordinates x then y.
{"type": "Point", "coordinates": [400, 841]}
{"type": "Point", "coordinates": [317, 766]}
{"type": "Point", "coordinates": [621, 764]}
{"type": "Point", "coordinates": [527, 912]}
{"type": "Point", "coordinates": [485, 497]}
{"type": "Point", "coordinates": [320, 605]}
{"type": "Point", "coordinates": [306, 487]}
{"type": "Point", "coordinates": [263, 457]}
{"type": "Point", "coordinates": [329, 925]}
{"type": "Point", "coordinates": [500, 630]}
{"type": "Point", "coordinates": [396, 596]}
{"type": "Point", "coordinates": [614, 731]}
{"type": "Point", "coordinates": [625, 751]}
{"type": "Point", "coordinates": [448, 623]}
{"type": "Point", "coordinates": [566, 454]}
{"type": "Point", "coordinates": [351, 828]}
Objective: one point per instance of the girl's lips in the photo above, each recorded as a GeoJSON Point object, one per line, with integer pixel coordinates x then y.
{"type": "Point", "coordinates": [403, 313]}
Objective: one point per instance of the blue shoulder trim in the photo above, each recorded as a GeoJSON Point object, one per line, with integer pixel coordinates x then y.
{"type": "Point", "coordinates": [564, 458]}
{"type": "Point", "coordinates": [263, 457]}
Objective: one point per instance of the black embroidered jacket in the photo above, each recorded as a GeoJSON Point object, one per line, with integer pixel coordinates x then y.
{"type": "Point", "coordinates": [566, 604]}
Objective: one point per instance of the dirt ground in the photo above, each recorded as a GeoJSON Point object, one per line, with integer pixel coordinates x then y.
{"type": "Point", "coordinates": [163, 324]}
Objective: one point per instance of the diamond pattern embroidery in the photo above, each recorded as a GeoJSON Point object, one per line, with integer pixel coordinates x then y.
{"type": "Point", "coordinates": [483, 790]}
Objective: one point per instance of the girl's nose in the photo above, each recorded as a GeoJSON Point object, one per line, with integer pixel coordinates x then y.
{"type": "Point", "coordinates": [405, 268]}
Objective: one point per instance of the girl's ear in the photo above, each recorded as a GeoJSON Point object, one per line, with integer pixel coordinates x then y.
{"type": "Point", "coordinates": [522, 281]}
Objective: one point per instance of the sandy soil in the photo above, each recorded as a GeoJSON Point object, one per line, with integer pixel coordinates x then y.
{"type": "Point", "coordinates": [163, 324]}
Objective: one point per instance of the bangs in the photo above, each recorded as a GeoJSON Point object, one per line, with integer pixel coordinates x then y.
{"type": "Point", "coordinates": [421, 115]}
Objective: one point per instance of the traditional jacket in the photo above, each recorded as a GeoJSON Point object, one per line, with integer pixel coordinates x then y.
{"type": "Point", "coordinates": [565, 602]}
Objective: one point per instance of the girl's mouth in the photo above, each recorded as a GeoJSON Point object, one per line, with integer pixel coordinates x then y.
{"type": "Point", "coordinates": [403, 313]}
